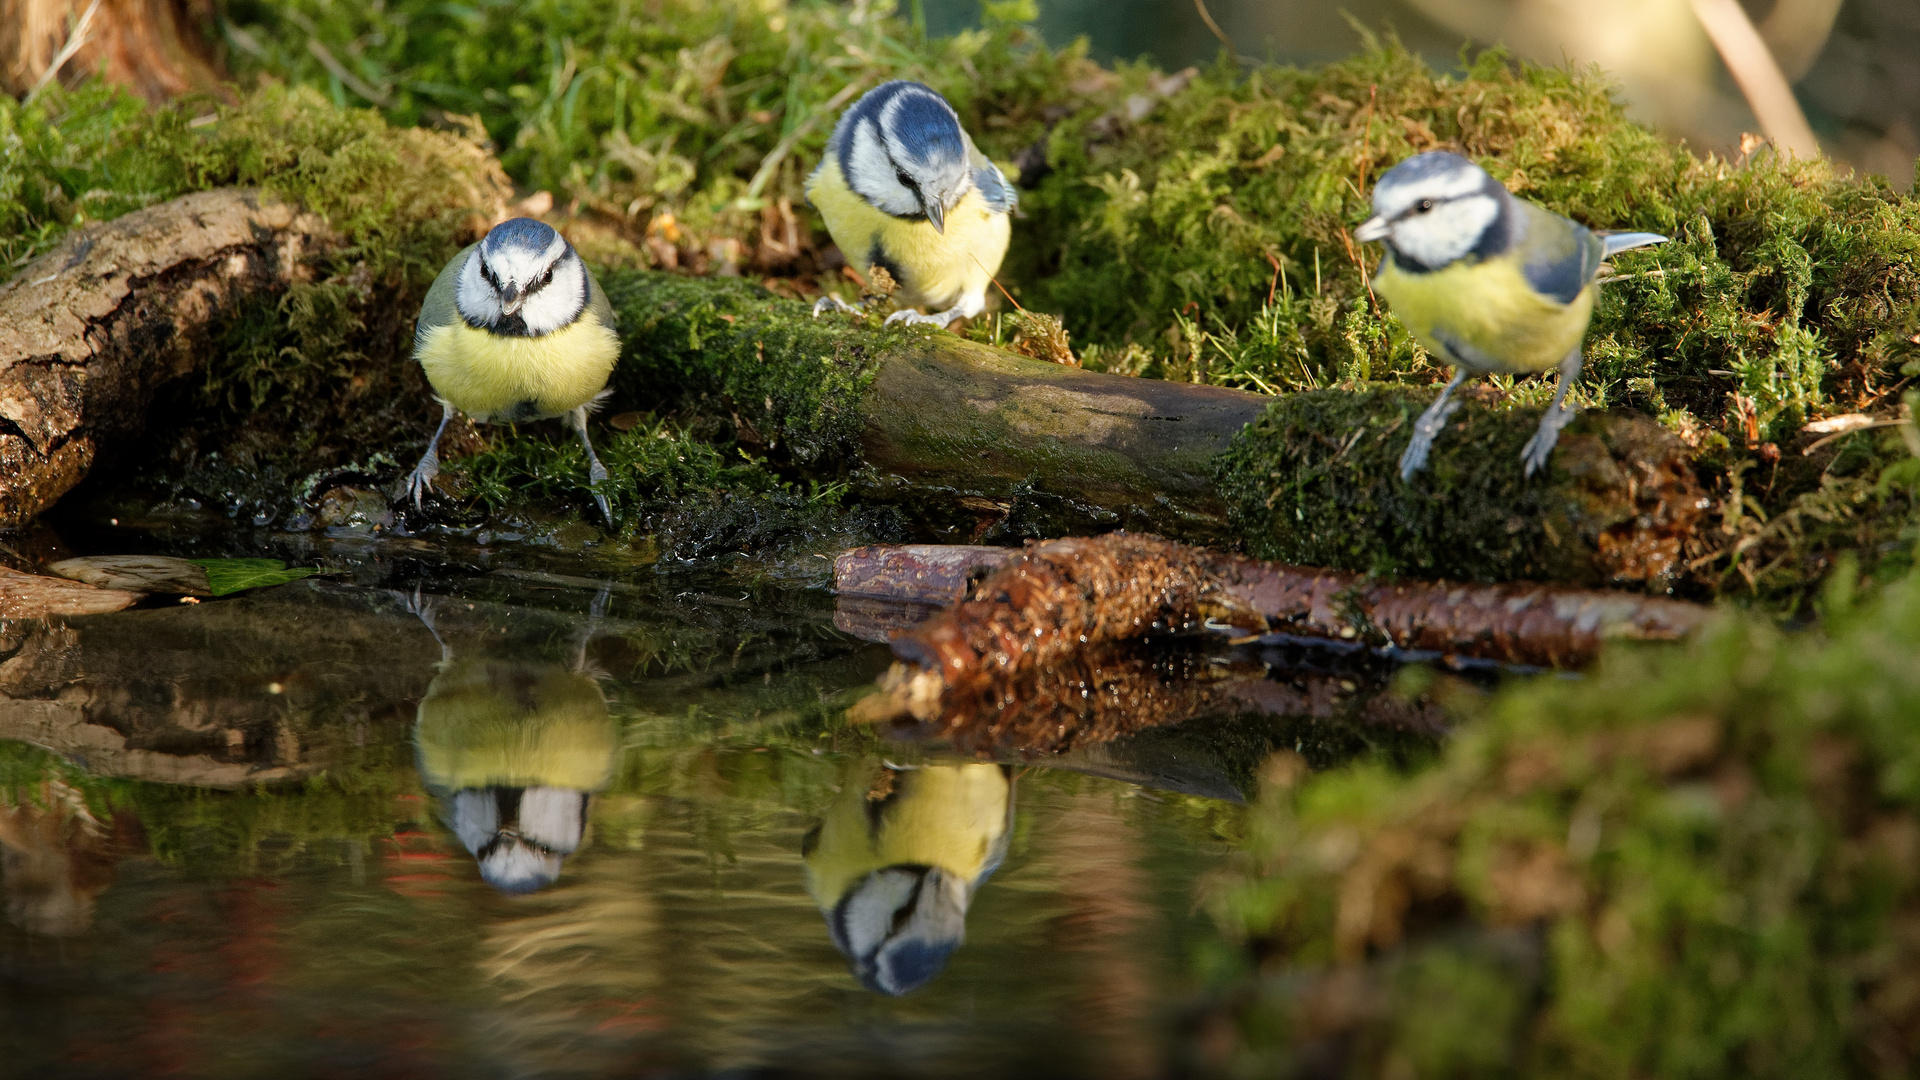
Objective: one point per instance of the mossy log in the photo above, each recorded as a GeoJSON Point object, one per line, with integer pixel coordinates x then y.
{"type": "Point", "coordinates": [980, 443]}
{"type": "Point", "coordinates": [90, 331]}
{"type": "Point", "coordinates": [973, 442]}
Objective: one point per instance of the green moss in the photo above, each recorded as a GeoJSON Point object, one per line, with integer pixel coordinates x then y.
{"type": "Point", "coordinates": [1704, 857]}
{"type": "Point", "coordinates": [791, 383]}
{"type": "Point", "coordinates": [1315, 481]}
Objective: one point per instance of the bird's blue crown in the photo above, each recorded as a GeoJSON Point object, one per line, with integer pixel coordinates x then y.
{"type": "Point", "coordinates": [521, 234]}
{"type": "Point", "coordinates": [917, 120]}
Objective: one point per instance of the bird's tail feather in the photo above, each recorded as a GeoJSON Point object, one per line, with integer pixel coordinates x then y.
{"type": "Point", "coordinates": [1627, 241]}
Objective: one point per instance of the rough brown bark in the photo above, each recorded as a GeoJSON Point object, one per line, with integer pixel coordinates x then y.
{"type": "Point", "coordinates": [1054, 601]}
{"type": "Point", "coordinates": [157, 48]}
{"type": "Point", "coordinates": [90, 330]}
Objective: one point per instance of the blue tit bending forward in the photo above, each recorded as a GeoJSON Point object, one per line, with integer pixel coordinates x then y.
{"type": "Point", "coordinates": [895, 863]}
{"type": "Point", "coordinates": [1487, 282]}
{"type": "Point", "coordinates": [516, 328]}
{"type": "Point", "coordinates": [903, 187]}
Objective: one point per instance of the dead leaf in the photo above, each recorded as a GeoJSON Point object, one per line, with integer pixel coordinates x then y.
{"type": "Point", "coordinates": [31, 596]}
{"type": "Point", "coordinates": [138, 573]}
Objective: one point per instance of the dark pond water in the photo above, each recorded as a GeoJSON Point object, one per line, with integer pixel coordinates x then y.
{"type": "Point", "coordinates": [499, 814]}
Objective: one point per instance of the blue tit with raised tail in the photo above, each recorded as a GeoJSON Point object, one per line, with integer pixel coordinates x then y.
{"type": "Point", "coordinates": [896, 861]}
{"type": "Point", "coordinates": [1490, 283]}
{"type": "Point", "coordinates": [903, 187]}
{"type": "Point", "coordinates": [515, 329]}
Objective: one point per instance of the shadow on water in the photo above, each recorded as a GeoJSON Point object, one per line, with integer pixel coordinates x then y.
{"type": "Point", "coordinates": [424, 819]}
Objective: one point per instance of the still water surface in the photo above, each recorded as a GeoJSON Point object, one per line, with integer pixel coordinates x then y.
{"type": "Point", "coordinates": [515, 823]}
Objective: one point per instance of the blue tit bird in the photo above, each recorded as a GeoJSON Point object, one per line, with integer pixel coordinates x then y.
{"type": "Point", "coordinates": [514, 751]}
{"type": "Point", "coordinates": [897, 859]}
{"type": "Point", "coordinates": [516, 328]}
{"type": "Point", "coordinates": [903, 187]}
{"type": "Point", "coordinates": [1487, 282]}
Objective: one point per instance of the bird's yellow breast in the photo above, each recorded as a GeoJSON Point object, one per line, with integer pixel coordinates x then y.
{"type": "Point", "coordinates": [1489, 307]}
{"type": "Point", "coordinates": [950, 817]}
{"type": "Point", "coordinates": [486, 375]}
{"type": "Point", "coordinates": [490, 723]}
{"type": "Point", "coordinates": [935, 269]}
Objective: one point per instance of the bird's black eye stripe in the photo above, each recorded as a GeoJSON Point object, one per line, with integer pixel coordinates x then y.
{"type": "Point", "coordinates": [905, 180]}
{"type": "Point", "coordinates": [1423, 206]}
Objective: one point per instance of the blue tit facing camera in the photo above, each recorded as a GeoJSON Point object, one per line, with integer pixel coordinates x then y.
{"type": "Point", "coordinates": [514, 752]}
{"type": "Point", "coordinates": [515, 329]}
{"type": "Point", "coordinates": [896, 861]}
{"type": "Point", "coordinates": [1487, 282]}
{"type": "Point", "coordinates": [903, 187]}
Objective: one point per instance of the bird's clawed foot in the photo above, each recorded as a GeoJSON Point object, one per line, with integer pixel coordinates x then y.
{"type": "Point", "coordinates": [421, 479]}
{"type": "Point", "coordinates": [1414, 458]}
{"type": "Point", "coordinates": [597, 475]}
{"type": "Point", "coordinates": [910, 317]}
{"type": "Point", "coordinates": [1546, 436]}
{"type": "Point", "coordinates": [830, 302]}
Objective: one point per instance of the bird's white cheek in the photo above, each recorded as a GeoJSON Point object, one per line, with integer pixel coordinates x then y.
{"type": "Point", "coordinates": [1448, 233]}
{"type": "Point", "coordinates": [556, 305]}
{"type": "Point", "coordinates": [474, 297]}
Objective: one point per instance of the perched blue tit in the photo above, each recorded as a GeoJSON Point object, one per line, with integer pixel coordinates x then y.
{"type": "Point", "coordinates": [516, 328]}
{"type": "Point", "coordinates": [513, 751]}
{"type": "Point", "coordinates": [896, 861]}
{"type": "Point", "coordinates": [902, 187]}
{"type": "Point", "coordinates": [1487, 282]}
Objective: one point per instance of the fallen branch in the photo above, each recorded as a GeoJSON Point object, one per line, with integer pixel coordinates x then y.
{"type": "Point", "coordinates": [1054, 601]}
{"type": "Point", "coordinates": [975, 442]}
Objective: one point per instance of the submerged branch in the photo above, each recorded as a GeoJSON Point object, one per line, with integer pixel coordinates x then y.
{"type": "Point", "coordinates": [1050, 604]}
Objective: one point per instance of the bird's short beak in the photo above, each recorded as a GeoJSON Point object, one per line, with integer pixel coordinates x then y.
{"type": "Point", "coordinates": [509, 298]}
{"type": "Point", "coordinates": [937, 214]}
{"type": "Point", "coordinates": [1375, 228]}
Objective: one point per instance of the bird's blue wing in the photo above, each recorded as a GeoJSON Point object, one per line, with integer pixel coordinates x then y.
{"type": "Point", "coordinates": [1000, 196]}
{"type": "Point", "coordinates": [1618, 242]}
{"type": "Point", "coordinates": [440, 307]}
{"type": "Point", "coordinates": [1558, 256]}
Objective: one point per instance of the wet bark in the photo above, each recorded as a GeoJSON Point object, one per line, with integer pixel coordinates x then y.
{"type": "Point", "coordinates": [92, 329]}
{"type": "Point", "coordinates": [1046, 608]}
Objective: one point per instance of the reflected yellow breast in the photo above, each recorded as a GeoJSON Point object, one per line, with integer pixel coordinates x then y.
{"type": "Point", "coordinates": [484, 375]}
{"type": "Point", "coordinates": [1489, 307]}
{"type": "Point", "coordinates": [947, 816]}
{"type": "Point", "coordinates": [935, 269]}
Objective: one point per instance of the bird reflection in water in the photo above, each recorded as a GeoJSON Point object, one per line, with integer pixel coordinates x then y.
{"type": "Point", "coordinates": [897, 859]}
{"type": "Point", "coordinates": [513, 751]}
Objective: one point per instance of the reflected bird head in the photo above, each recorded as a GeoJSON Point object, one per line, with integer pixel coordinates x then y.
{"type": "Point", "coordinates": [903, 151]}
{"type": "Point", "coordinates": [519, 836]}
{"type": "Point", "coordinates": [523, 279]}
{"type": "Point", "coordinates": [1437, 208]}
{"type": "Point", "coordinates": [899, 925]}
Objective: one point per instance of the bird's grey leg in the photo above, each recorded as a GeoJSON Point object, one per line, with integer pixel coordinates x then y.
{"type": "Point", "coordinates": [596, 472]}
{"type": "Point", "coordinates": [1538, 448]}
{"type": "Point", "coordinates": [596, 613]}
{"type": "Point", "coordinates": [1424, 429]}
{"type": "Point", "coordinates": [830, 302]}
{"type": "Point", "coordinates": [429, 466]}
{"type": "Point", "coordinates": [421, 607]}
